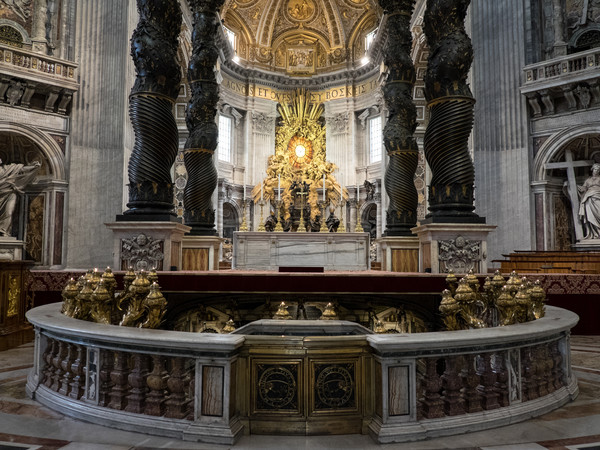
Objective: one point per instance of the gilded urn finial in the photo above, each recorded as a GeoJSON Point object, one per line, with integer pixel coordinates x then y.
{"type": "Point", "coordinates": [282, 312]}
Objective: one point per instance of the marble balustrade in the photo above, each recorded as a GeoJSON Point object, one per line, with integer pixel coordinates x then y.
{"type": "Point", "coordinates": [195, 386]}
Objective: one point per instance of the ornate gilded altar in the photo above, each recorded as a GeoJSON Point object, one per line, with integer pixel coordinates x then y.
{"type": "Point", "coordinates": [299, 166]}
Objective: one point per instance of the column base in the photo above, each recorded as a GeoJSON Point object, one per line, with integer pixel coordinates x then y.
{"type": "Point", "coordinates": [146, 245]}
{"type": "Point", "coordinates": [201, 252]}
{"type": "Point", "coordinates": [453, 246]}
{"type": "Point", "coordinates": [399, 253]}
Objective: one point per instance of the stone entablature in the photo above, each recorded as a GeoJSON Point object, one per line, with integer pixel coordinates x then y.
{"type": "Point", "coordinates": [566, 83]}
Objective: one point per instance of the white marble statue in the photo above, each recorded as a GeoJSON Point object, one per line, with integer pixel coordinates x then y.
{"type": "Point", "coordinates": [589, 205]}
{"type": "Point", "coordinates": [13, 179]}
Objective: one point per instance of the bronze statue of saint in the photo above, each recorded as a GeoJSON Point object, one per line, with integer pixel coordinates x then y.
{"type": "Point", "coordinates": [13, 179]}
{"type": "Point", "coordinates": [589, 205]}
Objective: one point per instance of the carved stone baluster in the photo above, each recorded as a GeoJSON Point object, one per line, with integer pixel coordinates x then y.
{"type": "Point", "coordinates": [65, 365]}
{"type": "Point", "coordinates": [528, 381]}
{"type": "Point", "coordinates": [118, 376]}
{"type": "Point", "coordinates": [157, 383]}
{"type": "Point", "coordinates": [487, 379]}
{"type": "Point", "coordinates": [57, 362]}
{"type": "Point", "coordinates": [77, 369]}
{"type": "Point", "coordinates": [49, 354]}
{"type": "Point", "coordinates": [433, 406]}
{"type": "Point", "coordinates": [471, 381]}
{"type": "Point", "coordinates": [557, 370]}
{"type": "Point", "coordinates": [501, 384]}
{"type": "Point", "coordinates": [543, 369]}
{"type": "Point", "coordinates": [191, 390]}
{"type": "Point", "coordinates": [454, 404]}
{"type": "Point", "coordinates": [136, 400]}
{"type": "Point", "coordinates": [176, 402]}
{"type": "Point", "coordinates": [107, 363]}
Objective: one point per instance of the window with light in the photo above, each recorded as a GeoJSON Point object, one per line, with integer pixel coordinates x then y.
{"type": "Point", "coordinates": [369, 39]}
{"type": "Point", "coordinates": [375, 139]}
{"type": "Point", "coordinates": [225, 144]}
{"type": "Point", "coordinates": [230, 35]}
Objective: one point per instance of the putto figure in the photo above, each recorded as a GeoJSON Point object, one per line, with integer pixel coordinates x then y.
{"type": "Point", "coordinates": [13, 179]}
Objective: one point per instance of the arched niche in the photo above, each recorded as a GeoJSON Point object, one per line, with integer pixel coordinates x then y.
{"type": "Point", "coordinates": [368, 218]}
{"type": "Point", "coordinates": [38, 219]}
{"type": "Point", "coordinates": [231, 220]}
{"type": "Point", "coordinates": [561, 164]}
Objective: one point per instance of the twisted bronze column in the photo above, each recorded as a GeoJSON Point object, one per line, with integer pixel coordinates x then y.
{"type": "Point", "coordinates": [451, 104]}
{"type": "Point", "coordinates": [200, 119]}
{"type": "Point", "coordinates": [398, 137]}
{"type": "Point", "coordinates": [153, 49]}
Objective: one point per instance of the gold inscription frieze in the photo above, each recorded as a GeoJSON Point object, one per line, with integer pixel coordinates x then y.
{"type": "Point", "coordinates": [258, 91]}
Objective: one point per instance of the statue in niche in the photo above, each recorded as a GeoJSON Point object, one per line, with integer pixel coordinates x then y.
{"type": "Point", "coordinates": [13, 180]}
{"type": "Point", "coordinates": [589, 205]}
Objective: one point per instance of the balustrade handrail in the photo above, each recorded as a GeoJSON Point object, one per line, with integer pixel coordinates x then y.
{"type": "Point", "coordinates": [556, 68]}
{"type": "Point", "coordinates": [49, 319]}
{"type": "Point", "coordinates": [39, 64]}
{"type": "Point", "coordinates": [555, 323]}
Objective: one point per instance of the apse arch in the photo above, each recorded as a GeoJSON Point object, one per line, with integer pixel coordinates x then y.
{"type": "Point", "coordinates": [51, 150]}
{"type": "Point", "coordinates": [26, 40]}
{"type": "Point", "coordinates": [555, 143]}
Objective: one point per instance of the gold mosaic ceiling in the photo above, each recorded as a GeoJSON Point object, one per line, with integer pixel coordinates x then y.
{"type": "Point", "coordinates": [301, 37]}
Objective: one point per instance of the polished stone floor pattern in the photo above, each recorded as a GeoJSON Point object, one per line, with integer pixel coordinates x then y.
{"type": "Point", "coordinates": [25, 424]}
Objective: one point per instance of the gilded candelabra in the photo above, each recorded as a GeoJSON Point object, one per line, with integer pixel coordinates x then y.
{"type": "Point", "coordinates": [358, 228]}
{"type": "Point", "coordinates": [342, 227]}
{"type": "Point", "coordinates": [261, 223]}
{"type": "Point", "coordinates": [323, 206]}
{"type": "Point", "coordinates": [279, 226]}
{"type": "Point", "coordinates": [244, 224]}
{"type": "Point", "coordinates": [278, 206]}
{"type": "Point", "coordinates": [302, 226]}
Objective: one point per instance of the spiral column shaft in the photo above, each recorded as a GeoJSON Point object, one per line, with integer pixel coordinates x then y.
{"type": "Point", "coordinates": [200, 119]}
{"type": "Point", "coordinates": [451, 105]}
{"type": "Point", "coordinates": [398, 139]}
{"type": "Point", "coordinates": [153, 49]}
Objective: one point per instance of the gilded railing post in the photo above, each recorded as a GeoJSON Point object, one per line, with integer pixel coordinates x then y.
{"type": "Point", "coordinates": [200, 119]}
{"type": "Point", "coordinates": [451, 104]}
{"type": "Point", "coordinates": [154, 49]}
{"type": "Point", "coordinates": [398, 138]}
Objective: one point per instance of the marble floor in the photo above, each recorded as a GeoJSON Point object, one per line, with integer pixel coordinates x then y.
{"type": "Point", "coordinates": [24, 424]}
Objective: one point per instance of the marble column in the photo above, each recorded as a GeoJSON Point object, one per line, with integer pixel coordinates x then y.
{"type": "Point", "coordinates": [400, 145]}
{"type": "Point", "coordinates": [154, 50]}
{"type": "Point", "coordinates": [451, 103]}
{"type": "Point", "coordinates": [201, 144]}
